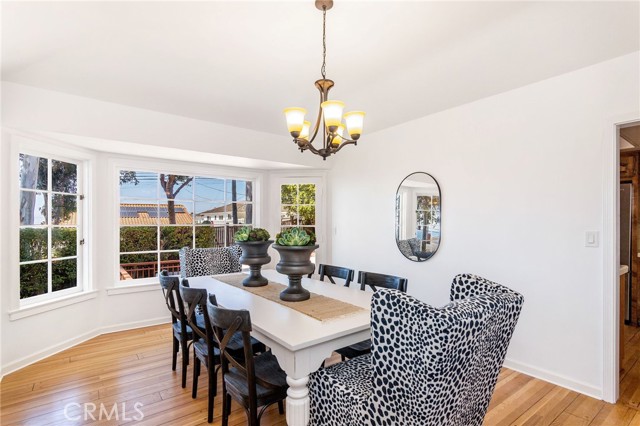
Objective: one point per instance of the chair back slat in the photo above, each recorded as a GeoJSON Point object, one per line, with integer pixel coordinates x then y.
{"type": "Point", "coordinates": [172, 298]}
{"type": "Point", "coordinates": [195, 300]}
{"type": "Point", "coordinates": [226, 323]}
{"type": "Point", "coordinates": [331, 272]}
{"type": "Point", "coordinates": [375, 281]}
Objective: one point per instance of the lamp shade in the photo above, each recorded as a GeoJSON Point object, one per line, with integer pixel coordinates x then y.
{"type": "Point", "coordinates": [295, 120]}
{"type": "Point", "coordinates": [332, 112]}
{"type": "Point", "coordinates": [354, 121]}
{"type": "Point", "coordinates": [304, 134]}
{"type": "Point", "coordinates": [337, 140]}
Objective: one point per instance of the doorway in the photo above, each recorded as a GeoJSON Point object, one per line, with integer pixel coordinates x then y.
{"type": "Point", "coordinates": [629, 252]}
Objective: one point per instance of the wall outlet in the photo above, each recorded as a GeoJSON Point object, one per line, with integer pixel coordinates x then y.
{"type": "Point", "coordinates": [591, 239]}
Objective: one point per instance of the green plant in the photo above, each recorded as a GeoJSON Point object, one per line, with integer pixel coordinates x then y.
{"type": "Point", "coordinates": [246, 233]}
{"type": "Point", "coordinates": [296, 237]}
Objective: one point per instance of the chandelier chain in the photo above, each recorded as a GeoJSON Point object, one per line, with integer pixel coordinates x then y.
{"type": "Point", "coordinates": [324, 42]}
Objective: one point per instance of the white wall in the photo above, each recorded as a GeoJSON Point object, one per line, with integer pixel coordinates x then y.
{"type": "Point", "coordinates": [521, 178]}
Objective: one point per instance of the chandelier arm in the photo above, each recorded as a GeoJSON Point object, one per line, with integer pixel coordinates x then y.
{"type": "Point", "coordinates": [347, 142]}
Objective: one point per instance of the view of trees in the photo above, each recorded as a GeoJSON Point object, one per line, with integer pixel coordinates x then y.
{"type": "Point", "coordinates": [170, 234]}
{"type": "Point", "coordinates": [298, 201]}
{"type": "Point", "coordinates": [34, 237]}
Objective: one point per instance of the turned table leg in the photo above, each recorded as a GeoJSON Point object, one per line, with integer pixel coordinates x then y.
{"type": "Point", "coordinates": [298, 401]}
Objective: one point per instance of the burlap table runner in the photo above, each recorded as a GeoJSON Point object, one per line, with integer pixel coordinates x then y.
{"type": "Point", "coordinates": [318, 307]}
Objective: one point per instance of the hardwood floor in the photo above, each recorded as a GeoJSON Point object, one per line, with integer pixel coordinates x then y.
{"type": "Point", "coordinates": [134, 366]}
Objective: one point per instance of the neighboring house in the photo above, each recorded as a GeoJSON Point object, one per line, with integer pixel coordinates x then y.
{"type": "Point", "coordinates": [221, 215]}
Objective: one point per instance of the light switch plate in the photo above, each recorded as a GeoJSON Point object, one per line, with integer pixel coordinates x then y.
{"type": "Point", "coordinates": [591, 239]}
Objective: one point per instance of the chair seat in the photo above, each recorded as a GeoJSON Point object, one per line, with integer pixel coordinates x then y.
{"type": "Point", "coordinates": [202, 351]}
{"type": "Point", "coordinates": [356, 350]}
{"type": "Point", "coordinates": [268, 370]}
{"type": "Point", "coordinates": [341, 392]}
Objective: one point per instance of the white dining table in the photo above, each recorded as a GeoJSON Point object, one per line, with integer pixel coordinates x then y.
{"type": "Point", "coordinates": [300, 342]}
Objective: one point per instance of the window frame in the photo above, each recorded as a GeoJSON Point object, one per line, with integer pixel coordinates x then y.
{"type": "Point", "coordinates": [117, 164]}
{"type": "Point", "coordinates": [35, 145]}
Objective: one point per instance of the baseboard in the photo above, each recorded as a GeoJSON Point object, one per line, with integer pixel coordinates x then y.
{"type": "Point", "coordinates": [556, 379]}
{"type": "Point", "coordinates": [47, 352]}
{"type": "Point", "coordinates": [135, 324]}
{"type": "Point", "coordinates": [54, 349]}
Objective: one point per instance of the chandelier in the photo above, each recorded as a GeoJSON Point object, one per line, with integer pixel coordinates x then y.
{"type": "Point", "coordinates": [330, 112]}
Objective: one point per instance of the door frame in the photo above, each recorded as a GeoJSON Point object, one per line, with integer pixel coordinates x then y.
{"type": "Point", "coordinates": [611, 254]}
{"type": "Point", "coordinates": [319, 179]}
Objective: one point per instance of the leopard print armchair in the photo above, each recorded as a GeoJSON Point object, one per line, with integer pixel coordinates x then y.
{"type": "Point", "coordinates": [428, 367]}
{"type": "Point", "coordinates": [209, 261]}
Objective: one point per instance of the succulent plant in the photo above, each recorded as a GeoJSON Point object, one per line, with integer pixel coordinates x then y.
{"type": "Point", "coordinates": [296, 237]}
{"type": "Point", "coordinates": [246, 233]}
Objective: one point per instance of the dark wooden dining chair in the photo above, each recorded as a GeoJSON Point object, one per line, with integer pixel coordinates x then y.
{"type": "Point", "coordinates": [374, 281]}
{"type": "Point", "coordinates": [204, 350]}
{"type": "Point", "coordinates": [252, 381]}
{"type": "Point", "coordinates": [331, 272]}
{"type": "Point", "coordinates": [182, 333]}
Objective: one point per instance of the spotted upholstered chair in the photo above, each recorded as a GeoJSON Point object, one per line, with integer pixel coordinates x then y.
{"type": "Point", "coordinates": [209, 261]}
{"type": "Point", "coordinates": [428, 366]}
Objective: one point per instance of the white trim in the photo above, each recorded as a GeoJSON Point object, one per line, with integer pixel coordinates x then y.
{"type": "Point", "coordinates": [35, 144]}
{"type": "Point", "coordinates": [611, 256]}
{"type": "Point", "coordinates": [54, 349]}
{"type": "Point", "coordinates": [51, 304]}
{"type": "Point", "coordinates": [556, 379]}
{"type": "Point", "coordinates": [133, 288]}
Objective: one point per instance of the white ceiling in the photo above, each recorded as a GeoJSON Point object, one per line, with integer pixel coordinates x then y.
{"type": "Point", "coordinates": [240, 63]}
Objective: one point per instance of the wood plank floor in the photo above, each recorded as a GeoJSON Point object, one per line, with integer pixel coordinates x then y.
{"type": "Point", "coordinates": [135, 367]}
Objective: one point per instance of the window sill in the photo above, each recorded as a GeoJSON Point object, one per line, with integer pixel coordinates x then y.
{"type": "Point", "coordinates": [135, 288]}
{"type": "Point", "coordinates": [50, 305]}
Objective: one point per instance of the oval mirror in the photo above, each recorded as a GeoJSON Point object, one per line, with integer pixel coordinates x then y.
{"type": "Point", "coordinates": [418, 216]}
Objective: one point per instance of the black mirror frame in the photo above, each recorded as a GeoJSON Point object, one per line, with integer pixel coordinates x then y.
{"type": "Point", "coordinates": [396, 223]}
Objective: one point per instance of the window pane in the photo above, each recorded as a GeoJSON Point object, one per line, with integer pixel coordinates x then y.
{"type": "Point", "coordinates": [33, 172]}
{"type": "Point", "coordinates": [239, 190]}
{"type": "Point", "coordinates": [170, 262]}
{"type": "Point", "coordinates": [33, 244]}
{"type": "Point", "coordinates": [64, 274]}
{"type": "Point", "coordinates": [63, 242]}
{"type": "Point", "coordinates": [209, 188]}
{"type": "Point", "coordinates": [134, 266]}
{"type": "Point", "coordinates": [176, 237]}
{"type": "Point", "coordinates": [176, 213]}
{"type": "Point", "coordinates": [289, 194]}
{"type": "Point", "coordinates": [307, 215]}
{"type": "Point", "coordinates": [210, 212]}
{"type": "Point", "coordinates": [237, 213]}
{"type": "Point", "coordinates": [33, 208]}
{"type": "Point", "coordinates": [64, 209]}
{"type": "Point", "coordinates": [207, 236]}
{"type": "Point", "coordinates": [289, 216]}
{"type": "Point", "coordinates": [307, 193]}
{"type": "Point", "coordinates": [64, 177]}
{"type": "Point", "coordinates": [137, 184]}
{"type": "Point", "coordinates": [138, 238]}
{"type": "Point", "coordinates": [138, 212]}
{"type": "Point", "coordinates": [33, 279]}
{"type": "Point", "coordinates": [175, 187]}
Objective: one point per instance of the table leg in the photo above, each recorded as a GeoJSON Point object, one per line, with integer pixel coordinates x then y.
{"type": "Point", "coordinates": [298, 401]}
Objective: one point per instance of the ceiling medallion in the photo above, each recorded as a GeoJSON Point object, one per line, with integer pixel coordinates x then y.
{"type": "Point", "coordinates": [330, 112]}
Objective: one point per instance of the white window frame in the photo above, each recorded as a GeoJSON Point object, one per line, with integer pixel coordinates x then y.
{"type": "Point", "coordinates": [36, 145]}
{"type": "Point", "coordinates": [170, 167]}
{"type": "Point", "coordinates": [319, 180]}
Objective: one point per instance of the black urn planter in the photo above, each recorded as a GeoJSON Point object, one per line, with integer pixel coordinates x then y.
{"type": "Point", "coordinates": [255, 254]}
{"type": "Point", "coordinates": [295, 262]}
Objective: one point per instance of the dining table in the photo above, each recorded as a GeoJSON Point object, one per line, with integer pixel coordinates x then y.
{"type": "Point", "coordinates": [300, 342]}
